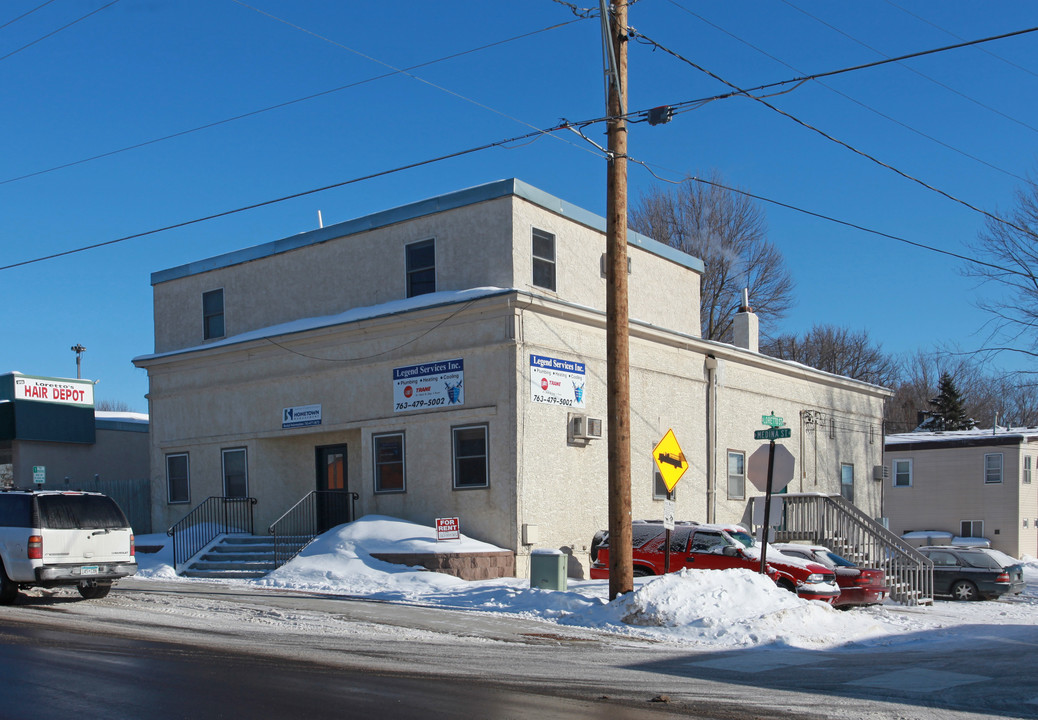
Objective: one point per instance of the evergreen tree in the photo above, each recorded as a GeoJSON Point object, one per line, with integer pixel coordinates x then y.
{"type": "Point", "coordinates": [949, 408]}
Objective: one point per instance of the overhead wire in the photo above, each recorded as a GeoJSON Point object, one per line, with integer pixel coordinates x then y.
{"type": "Point", "coordinates": [55, 32]}
{"type": "Point", "coordinates": [278, 106]}
{"type": "Point", "coordinates": [817, 78]}
{"type": "Point", "coordinates": [27, 13]}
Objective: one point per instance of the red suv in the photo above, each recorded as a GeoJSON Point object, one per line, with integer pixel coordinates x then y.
{"type": "Point", "coordinates": [715, 547]}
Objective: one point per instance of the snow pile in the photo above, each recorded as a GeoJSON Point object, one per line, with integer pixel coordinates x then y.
{"type": "Point", "coordinates": [707, 608]}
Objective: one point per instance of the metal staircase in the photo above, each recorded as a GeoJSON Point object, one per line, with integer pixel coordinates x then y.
{"type": "Point", "coordinates": [832, 521]}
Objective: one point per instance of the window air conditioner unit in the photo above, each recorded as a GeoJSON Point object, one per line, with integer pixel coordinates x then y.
{"type": "Point", "coordinates": [880, 472]}
{"type": "Point", "coordinates": [594, 427]}
{"type": "Point", "coordinates": [581, 427]}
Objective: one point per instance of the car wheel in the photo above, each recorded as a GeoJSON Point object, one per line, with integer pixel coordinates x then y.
{"type": "Point", "coordinates": [8, 589]}
{"type": "Point", "coordinates": [964, 590]}
{"type": "Point", "coordinates": [640, 571]}
{"type": "Point", "coordinates": [785, 584]}
{"type": "Point", "coordinates": [94, 591]}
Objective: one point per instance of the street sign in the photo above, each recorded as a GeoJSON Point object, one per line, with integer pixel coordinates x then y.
{"type": "Point", "coordinates": [781, 473]}
{"type": "Point", "coordinates": [772, 420]}
{"type": "Point", "coordinates": [668, 514]}
{"type": "Point", "coordinates": [772, 434]}
{"type": "Point", "coordinates": [39, 474]}
{"type": "Point", "coordinates": [670, 460]}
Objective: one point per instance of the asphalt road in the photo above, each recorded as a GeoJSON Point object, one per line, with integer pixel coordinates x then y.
{"type": "Point", "coordinates": [170, 650]}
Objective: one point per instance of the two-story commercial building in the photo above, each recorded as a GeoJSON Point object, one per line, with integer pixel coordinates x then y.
{"type": "Point", "coordinates": [447, 358]}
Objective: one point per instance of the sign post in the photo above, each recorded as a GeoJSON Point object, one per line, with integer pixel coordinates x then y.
{"type": "Point", "coordinates": [672, 465]}
{"type": "Point", "coordinates": [781, 463]}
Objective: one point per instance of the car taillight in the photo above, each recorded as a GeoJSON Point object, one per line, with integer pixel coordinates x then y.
{"type": "Point", "coordinates": [1004, 577]}
{"type": "Point", "coordinates": [35, 547]}
{"type": "Point", "coordinates": [133, 546]}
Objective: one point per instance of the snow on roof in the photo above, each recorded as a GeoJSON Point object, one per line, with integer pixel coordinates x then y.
{"type": "Point", "coordinates": [394, 307]}
{"type": "Point", "coordinates": [122, 416]}
{"type": "Point", "coordinates": [977, 435]}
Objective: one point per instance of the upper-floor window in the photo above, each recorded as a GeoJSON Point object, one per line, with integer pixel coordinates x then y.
{"type": "Point", "coordinates": [902, 473]}
{"type": "Point", "coordinates": [178, 479]}
{"type": "Point", "coordinates": [389, 462]}
{"type": "Point", "coordinates": [1027, 469]}
{"type": "Point", "coordinates": [421, 267]}
{"type": "Point", "coordinates": [212, 314]}
{"type": "Point", "coordinates": [993, 468]}
{"type": "Point", "coordinates": [543, 259]}
{"type": "Point", "coordinates": [847, 481]}
{"type": "Point", "coordinates": [736, 475]}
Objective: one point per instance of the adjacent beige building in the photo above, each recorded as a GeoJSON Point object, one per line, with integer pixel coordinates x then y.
{"type": "Point", "coordinates": [447, 359]}
{"type": "Point", "coordinates": [970, 483]}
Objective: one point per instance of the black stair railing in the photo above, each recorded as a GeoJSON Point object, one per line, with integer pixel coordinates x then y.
{"type": "Point", "coordinates": [213, 517]}
{"type": "Point", "coordinates": [317, 512]}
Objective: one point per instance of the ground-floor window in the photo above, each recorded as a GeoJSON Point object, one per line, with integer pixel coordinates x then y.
{"type": "Point", "coordinates": [470, 456]}
{"type": "Point", "coordinates": [736, 475]}
{"type": "Point", "coordinates": [971, 528]}
{"type": "Point", "coordinates": [235, 473]}
{"type": "Point", "coordinates": [847, 481]}
{"type": "Point", "coordinates": [388, 452]}
{"type": "Point", "coordinates": [659, 487]}
{"type": "Point", "coordinates": [178, 478]}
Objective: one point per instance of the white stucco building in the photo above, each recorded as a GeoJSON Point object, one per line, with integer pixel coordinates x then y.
{"type": "Point", "coordinates": [432, 358]}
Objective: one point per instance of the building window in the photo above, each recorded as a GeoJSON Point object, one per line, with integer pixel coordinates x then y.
{"type": "Point", "coordinates": [971, 528]}
{"type": "Point", "coordinates": [212, 314]}
{"type": "Point", "coordinates": [659, 488]}
{"type": "Point", "coordinates": [1027, 469]}
{"type": "Point", "coordinates": [178, 479]}
{"type": "Point", "coordinates": [847, 481]}
{"type": "Point", "coordinates": [235, 473]}
{"type": "Point", "coordinates": [470, 457]}
{"type": "Point", "coordinates": [902, 473]}
{"type": "Point", "coordinates": [736, 475]}
{"type": "Point", "coordinates": [389, 462]}
{"type": "Point", "coordinates": [421, 268]}
{"type": "Point", "coordinates": [993, 468]}
{"type": "Point", "coordinates": [543, 259]}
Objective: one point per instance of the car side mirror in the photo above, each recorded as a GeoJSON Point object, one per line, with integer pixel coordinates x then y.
{"type": "Point", "coordinates": [730, 551]}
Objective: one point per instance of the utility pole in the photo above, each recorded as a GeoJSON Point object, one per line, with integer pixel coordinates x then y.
{"type": "Point", "coordinates": [614, 31]}
{"type": "Point", "coordinates": [78, 350]}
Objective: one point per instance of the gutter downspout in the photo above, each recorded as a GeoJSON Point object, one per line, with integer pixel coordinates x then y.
{"type": "Point", "coordinates": [711, 436]}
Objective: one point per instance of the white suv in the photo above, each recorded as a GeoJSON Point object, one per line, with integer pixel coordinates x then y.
{"type": "Point", "coordinates": [53, 538]}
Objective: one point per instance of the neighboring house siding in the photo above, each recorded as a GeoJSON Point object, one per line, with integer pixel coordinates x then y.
{"type": "Point", "coordinates": [948, 488]}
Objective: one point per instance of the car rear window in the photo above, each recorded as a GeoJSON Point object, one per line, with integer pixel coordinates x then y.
{"type": "Point", "coordinates": [15, 510]}
{"type": "Point", "coordinates": [71, 512]}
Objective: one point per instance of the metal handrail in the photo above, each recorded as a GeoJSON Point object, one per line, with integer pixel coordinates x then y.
{"type": "Point", "coordinates": [211, 518]}
{"type": "Point", "coordinates": [832, 521]}
{"type": "Point", "coordinates": [317, 512]}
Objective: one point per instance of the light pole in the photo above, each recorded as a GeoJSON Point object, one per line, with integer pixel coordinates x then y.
{"type": "Point", "coordinates": [78, 350]}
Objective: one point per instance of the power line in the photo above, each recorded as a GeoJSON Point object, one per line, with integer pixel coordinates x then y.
{"type": "Point", "coordinates": [871, 109]}
{"type": "Point", "coordinates": [55, 32]}
{"type": "Point", "coordinates": [293, 196]}
{"type": "Point", "coordinates": [26, 14]}
{"type": "Point", "coordinates": [917, 72]}
{"type": "Point", "coordinates": [278, 106]}
{"type": "Point", "coordinates": [827, 136]}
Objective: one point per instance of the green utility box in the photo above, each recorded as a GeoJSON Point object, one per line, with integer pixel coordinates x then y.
{"type": "Point", "coordinates": [548, 569]}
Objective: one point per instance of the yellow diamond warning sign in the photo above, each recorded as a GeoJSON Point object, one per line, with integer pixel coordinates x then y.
{"type": "Point", "coordinates": [670, 460]}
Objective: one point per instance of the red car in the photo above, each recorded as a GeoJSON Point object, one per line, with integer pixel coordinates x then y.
{"type": "Point", "coordinates": [858, 585]}
{"type": "Point", "coordinates": [715, 547]}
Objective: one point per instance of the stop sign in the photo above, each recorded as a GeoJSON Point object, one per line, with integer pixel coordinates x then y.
{"type": "Point", "coordinates": [781, 474]}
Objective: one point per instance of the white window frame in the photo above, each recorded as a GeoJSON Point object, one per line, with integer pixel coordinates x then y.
{"type": "Point", "coordinates": [659, 488]}
{"type": "Point", "coordinates": [988, 470]}
{"type": "Point", "coordinates": [376, 464]}
{"type": "Point", "coordinates": [738, 478]}
{"type": "Point", "coordinates": [973, 524]}
{"type": "Point", "coordinates": [546, 263]}
{"type": "Point", "coordinates": [223, 468]}
{"type": "Point", "coordinates": [894, 474]}
{"type": "Point", "coordinates": [843, 485]}
{"type": "Point", "coordinates": [187, 479]}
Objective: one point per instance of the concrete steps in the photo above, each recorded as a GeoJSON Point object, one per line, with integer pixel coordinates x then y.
{"type": "Point", "coordinates": [237, 556]}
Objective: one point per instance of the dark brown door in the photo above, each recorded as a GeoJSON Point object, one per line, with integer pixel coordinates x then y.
{"type": "Point", "coordinates": [332, 482]}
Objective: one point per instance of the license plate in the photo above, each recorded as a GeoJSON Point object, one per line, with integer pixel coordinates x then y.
{"type": "Point", "coordinates": [88, 570]}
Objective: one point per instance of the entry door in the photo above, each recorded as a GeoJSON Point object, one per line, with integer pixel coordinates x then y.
{"type": "Point", "coordinates": [332, 477]}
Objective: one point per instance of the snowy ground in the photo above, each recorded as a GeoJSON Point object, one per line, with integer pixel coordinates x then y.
{"type": "Point", "coordinates": [708, 610]}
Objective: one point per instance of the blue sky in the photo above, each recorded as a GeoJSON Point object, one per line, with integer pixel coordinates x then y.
{"type": "Point", "coordinates": [139, 70]}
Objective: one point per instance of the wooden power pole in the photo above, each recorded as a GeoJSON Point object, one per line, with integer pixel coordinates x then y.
{"type": "Point", "coordinates": [621, 579]}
